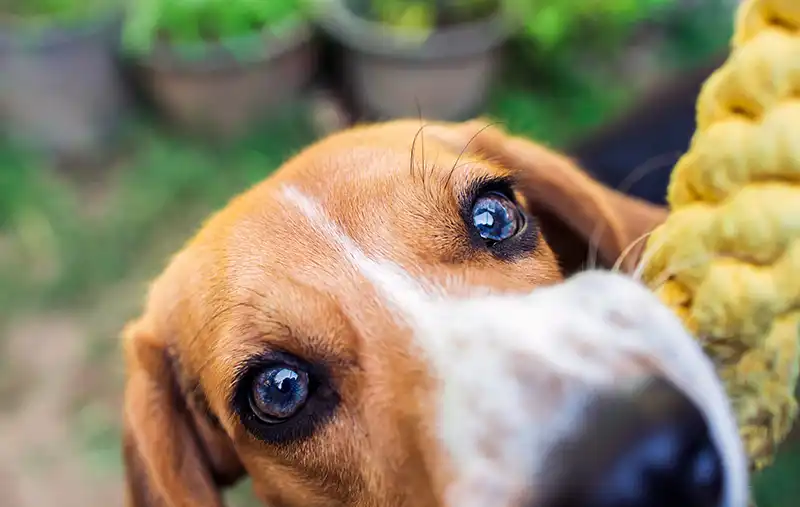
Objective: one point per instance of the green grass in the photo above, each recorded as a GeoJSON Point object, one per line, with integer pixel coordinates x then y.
{"type": "Point", "coordinates": [779, 485]}
{"type": "Point", "coordinates": [60, 253]}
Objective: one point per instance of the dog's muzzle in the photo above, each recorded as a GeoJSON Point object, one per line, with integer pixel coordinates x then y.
{"type": "Point", "coordinates": [555, 398]}
{"type": "Point", "coordinates": [649, 447]}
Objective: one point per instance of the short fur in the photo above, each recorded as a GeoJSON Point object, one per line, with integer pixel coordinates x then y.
{"type": "Point", "coordinates": [260, 276]}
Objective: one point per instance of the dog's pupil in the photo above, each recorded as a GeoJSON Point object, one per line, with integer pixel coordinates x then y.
{"type": "Point", "coordinates": [284, 380]}
{"type": "Point", "coordinates": [284, 385]}
{"type": "Point", "coordinates": [494, 216]}
{"type": "Point", "coordinates": [279, 392]}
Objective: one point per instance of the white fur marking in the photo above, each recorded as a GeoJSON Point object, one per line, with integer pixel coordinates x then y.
{"type": "Point", "coordinates": [474, 345]}
{"type": "Point", "coordinates": [400, 290]}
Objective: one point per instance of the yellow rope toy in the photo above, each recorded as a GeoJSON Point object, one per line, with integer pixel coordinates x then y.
{"type": "Point", "coordinates": [728, 257]}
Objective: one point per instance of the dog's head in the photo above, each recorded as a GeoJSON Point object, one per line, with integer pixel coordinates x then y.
{"type": "Point", "coordinates": [361, 329]}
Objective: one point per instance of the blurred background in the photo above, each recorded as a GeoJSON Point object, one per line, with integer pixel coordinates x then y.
{"type": "Point", "coordinates": [125, 123]}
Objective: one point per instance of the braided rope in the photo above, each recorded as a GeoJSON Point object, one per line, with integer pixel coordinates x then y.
{"type": "Point", "coordinates": [730, 250]}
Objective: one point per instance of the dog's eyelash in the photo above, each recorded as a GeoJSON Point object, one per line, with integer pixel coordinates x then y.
{"type": "Point", "coordinates": [484, 184]}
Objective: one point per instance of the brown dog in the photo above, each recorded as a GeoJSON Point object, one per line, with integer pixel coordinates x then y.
{"type": "Point", "coordinates": [361, 329]}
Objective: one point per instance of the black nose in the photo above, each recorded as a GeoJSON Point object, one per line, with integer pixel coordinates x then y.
{"type": "Point", "coordinates": [648, 448]}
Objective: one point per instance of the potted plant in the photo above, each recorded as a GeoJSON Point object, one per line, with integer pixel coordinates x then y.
{"type": "Point", "coordinates": [60, 86]}
{"type": "Point", "coordinates": [217, 66]}
{"type": "Point", "coordinates": [406, 57]}
{"type": "Point", "coordinates": [575, 38]}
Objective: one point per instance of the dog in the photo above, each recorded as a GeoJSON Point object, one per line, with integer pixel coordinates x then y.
{"type": "Point", "coordinates": [404, 315]}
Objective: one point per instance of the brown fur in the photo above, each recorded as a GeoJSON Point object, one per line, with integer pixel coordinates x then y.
{"type": "Point", "coordinates": [258, 277]}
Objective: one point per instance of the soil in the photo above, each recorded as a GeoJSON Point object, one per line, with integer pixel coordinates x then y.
{"type": "Point", "coordinates": [41, 461]}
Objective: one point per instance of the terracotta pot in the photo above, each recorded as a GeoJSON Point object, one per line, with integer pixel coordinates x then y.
{"type": "Point", "coordinates": [444, 75]}
{"type": "Point", "coordinates": [221, 93]}
{"type": "Point", "coordinates": [61, 90]}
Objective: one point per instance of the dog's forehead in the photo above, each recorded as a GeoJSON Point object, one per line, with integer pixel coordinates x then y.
{"type": "Point", "coordinates": [300, 239]}
{"type": "Point", "coordinates": [408, 159]}
{"type": "Point", "coordinates": [375, 196]}
{"type": "Point", "coordinates": [375, 151]}
{"type": "Point", "coordinates": [386, 192]}
{"type": "Point", "coordinates": [284, 237]}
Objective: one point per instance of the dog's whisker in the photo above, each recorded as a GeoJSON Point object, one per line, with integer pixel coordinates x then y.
{"type": "Point", "coordinates": [618, 263]}
{"type": "Point", "coordinates": [645, 260]}
{"type": "Point", "coordinates": [412, 160]}
{"type": "Point", "coordinates": [671, 271]}
{"type": "Point", "coordinates": [653, 164]}
{"type": "Point", "coordinates": [464, 150]}
{"type": "Point", "coordinates": [422, 137]}
{"type": "Point", "coordinates": [594, 245]}
{"type": "Point", "coordinates": [658, 162]}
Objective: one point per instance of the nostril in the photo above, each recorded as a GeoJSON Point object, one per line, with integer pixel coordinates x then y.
{"type": "Point", "coordinates": [652, 448]}
{"type": "Point", "coordinates": [703, 480]}
{"type": "Point", "coordinates": [671, 465]}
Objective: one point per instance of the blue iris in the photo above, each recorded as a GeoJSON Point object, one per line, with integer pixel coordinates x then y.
{"type": "Point", "coordinates": [495, 217]}
{"type": "Point", "coordinates": [278, 392]}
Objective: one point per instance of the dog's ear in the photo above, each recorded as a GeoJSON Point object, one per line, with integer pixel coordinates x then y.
{"type": "Point", "coordinates": [579, 216]}
{"type": "Point", "coordinates": [175, 455]}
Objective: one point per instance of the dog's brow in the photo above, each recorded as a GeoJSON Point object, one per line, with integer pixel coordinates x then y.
{"type": "Point", "coordinates": [322, 224]}
{"type": "Point", "coordinates": [404, 293]}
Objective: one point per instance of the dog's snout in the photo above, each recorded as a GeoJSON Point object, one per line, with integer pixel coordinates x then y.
{"type": "Point", "coordinates": [647, 448]}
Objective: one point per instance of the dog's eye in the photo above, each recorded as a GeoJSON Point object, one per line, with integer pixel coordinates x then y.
{"type": "Point", "coordinates": [496, 217]}
{"type": "Point", "coordinates": [278, 392]}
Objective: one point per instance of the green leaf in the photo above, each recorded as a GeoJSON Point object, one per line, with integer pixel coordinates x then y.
{"type": "Point", "coordinates": [417, 16]}
{"type": "Point", "coordinates": [197, 21]}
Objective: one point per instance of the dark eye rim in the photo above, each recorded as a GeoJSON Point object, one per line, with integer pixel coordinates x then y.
{"type": "Point", "coordinates": [526, 239]}
{"type": "Point", "coordinates": [320, 404]}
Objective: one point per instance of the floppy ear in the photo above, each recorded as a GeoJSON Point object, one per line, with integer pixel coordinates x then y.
{"type": "Point", "coordinates": [577, 214]}
{"type": "Point", "coordinates": [175, 455]}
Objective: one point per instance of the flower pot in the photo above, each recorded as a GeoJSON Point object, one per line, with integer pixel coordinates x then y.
{"type": "Point", "coordinates": [221, 89]}
{"type": "Point", "coordinates": [444, 75]}
{"type": "Point", "coordinates": [61, 90]}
